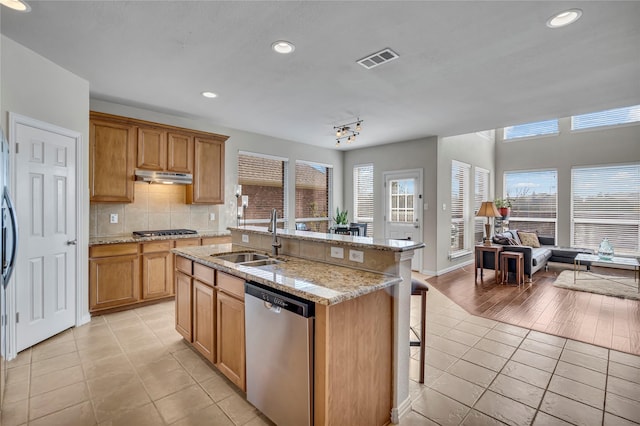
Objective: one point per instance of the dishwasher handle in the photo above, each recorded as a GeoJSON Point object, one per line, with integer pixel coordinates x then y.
{"type": "Point", "coordinates": [278, 301]}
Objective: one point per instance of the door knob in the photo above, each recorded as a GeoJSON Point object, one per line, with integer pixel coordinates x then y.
{"type": "Point", "coordinates": [71, 242]}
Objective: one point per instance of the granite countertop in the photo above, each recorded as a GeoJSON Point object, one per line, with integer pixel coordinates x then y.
{"type": "Point", "coordinates": [129, 238]}
{"type": "Point", "coordinates": [345, 240]}
{"type": "Point", "coordinates": [314, 281]}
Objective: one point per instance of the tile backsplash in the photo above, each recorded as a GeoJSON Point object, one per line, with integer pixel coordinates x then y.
{"type": "Point", "coordinates": [154, 207]}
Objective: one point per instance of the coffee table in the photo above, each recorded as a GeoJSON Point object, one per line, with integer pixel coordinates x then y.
{"type": "Point", "coordinates": [615, 262]}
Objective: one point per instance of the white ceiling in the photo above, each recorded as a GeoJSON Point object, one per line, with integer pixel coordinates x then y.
{"type": "Point", "coordinates": [463, 66]}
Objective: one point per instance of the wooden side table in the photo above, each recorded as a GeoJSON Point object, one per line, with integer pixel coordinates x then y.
{"type": "Point", "coordinates": [504, 267]}
{"type": "Point", "coordinates": [479, 259]}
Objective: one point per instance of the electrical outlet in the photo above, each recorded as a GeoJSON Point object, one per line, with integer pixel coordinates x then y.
{"type": "Point", "coordinates": [245, 238]}
{"type": "Point", "coordinates": [337, 252]}
{"type": "Point", "coordinates": [356, 256]}
{"type": "Point", "coordinates": [113, 218]}
{"type": "Point", "coordinates": [212, 216]}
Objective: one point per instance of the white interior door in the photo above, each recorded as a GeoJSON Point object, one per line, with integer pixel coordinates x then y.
{"type": "Point", "coordinates": [46, 204]}
{"type": "Point", "coordinates": [403, 208]}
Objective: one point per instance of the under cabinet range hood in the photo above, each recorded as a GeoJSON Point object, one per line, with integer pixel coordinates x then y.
{"type": "Point", "coordinates": [164, 177]}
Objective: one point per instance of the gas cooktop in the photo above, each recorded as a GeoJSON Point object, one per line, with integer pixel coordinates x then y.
{"type": "Point", "coordinates": [164, 232]}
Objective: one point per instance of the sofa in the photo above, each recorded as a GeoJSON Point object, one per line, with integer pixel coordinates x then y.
{"type": "Point", "coordinates": [535, 258]}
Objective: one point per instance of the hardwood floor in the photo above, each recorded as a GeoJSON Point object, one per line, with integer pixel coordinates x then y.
{"type": "Point", "coordinates": [601, 320]}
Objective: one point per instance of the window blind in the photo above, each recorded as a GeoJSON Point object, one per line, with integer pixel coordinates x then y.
{"type": "Point", "coordinates": [481, 193]}
{"type": "Point", "coordinates": [533, 195]}
{"type": "Point", "coordinates": [363, 196]}
{"type": "Point", "coordinates": [609, 117]}
{"type": "Point", "coordinates": [263, 179]}
{"type": "Point", "coordinates": [539, 128]}
{"type": "Point", "coordinates": [460, 173]}
{"type": "Point", "coordinates": [605, 203]}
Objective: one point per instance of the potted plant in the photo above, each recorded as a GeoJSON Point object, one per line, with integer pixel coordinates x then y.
{"type": "Point", "coordinates": [341, 217]}
{"type": "Point", "coordinates": [504, 206]}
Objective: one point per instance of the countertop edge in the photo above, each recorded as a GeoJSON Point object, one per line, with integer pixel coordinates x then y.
{"type": "Point", "coordinates": [128, 238]}
{"type": "Point", "coordinates": [245, 273]}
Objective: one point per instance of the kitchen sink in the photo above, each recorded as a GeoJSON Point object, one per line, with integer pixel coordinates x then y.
{"type": "Point", "coordinates": [263, 262]}
{"type": "Point", "coordinates": [242, 257]}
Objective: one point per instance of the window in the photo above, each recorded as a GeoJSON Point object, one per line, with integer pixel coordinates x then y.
{"type": "Point", "coordinates": [313, 195]}
{"type": "Point", "coordinates": [263, 179]}
{"type": "Point", "coordinates": [533, 196]}
{"type": "Point", "coordinates": [605, 203]}
{"type": "Point", "coordinates": [539, 128]}
{"type": "Point", "coordinates": [481, 194]}
{"type": "Point", "coordinates": [402, 200]}
{"type": "Point", "coordinates": [460, 173]}
{"type": "Point", "coordinates": [609, 117]}
{"type": "Point", "coordinates": [363, 196]}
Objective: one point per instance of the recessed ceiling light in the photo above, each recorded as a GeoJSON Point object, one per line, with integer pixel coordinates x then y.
{"type": "Point", "coordinates": [565, 18]}
{"type": "Point", "coordinates": [19, 5]}
{"type": "Point", "coordinates": [209, 95]}
{"type": "Point", "coordinates": [282, 46]}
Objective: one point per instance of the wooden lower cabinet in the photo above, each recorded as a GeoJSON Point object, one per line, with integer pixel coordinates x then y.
{"type": "Point", "coordinates": [230, 338]}
{"type": "Point", "coordinates": [184, 297]}
{"type": "Point", "coordinates": [157, 270]}
{"type": "Point", "coordinates": [113, 281]}
{"type": "Point", "coordinates": [204, 308]}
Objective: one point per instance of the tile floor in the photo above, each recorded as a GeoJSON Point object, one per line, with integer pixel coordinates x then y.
{"type": "Point", "coordinates": [132, 368]}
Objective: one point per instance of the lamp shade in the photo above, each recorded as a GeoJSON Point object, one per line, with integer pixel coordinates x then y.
{"type": "Point", "coordinates": [488, 209]}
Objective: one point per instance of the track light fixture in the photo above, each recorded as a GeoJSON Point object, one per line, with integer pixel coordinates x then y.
{"type": "Point", "coordinates": [348, 130]}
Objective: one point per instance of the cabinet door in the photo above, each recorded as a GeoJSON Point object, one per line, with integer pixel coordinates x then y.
{"type": "Point", "coordinates": [179, 153]}
{"type": "Point", "coordinates": [111, 161]}
{"type": "Point", "coordinates": [204, 305]}
{"type": "Point", "coordinates": [208, 173]}
{"type": "Point", "coordinates": [230, 338]}
{"type": "Point", "coordinates": [113, 281]}
{"type": "Point", "coordinates": [152, 149]}
{"type": "Point", "coordinates": [183, 305]}
{"type": "Point", "coordinates": [157, 275]}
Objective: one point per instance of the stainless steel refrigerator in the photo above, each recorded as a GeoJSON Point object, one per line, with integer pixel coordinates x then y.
{"type": "Point", "coordinates": [8, 223]}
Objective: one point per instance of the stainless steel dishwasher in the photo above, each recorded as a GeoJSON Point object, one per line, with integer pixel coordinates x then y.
{"type": "Point", "coordinates": [279, 345]}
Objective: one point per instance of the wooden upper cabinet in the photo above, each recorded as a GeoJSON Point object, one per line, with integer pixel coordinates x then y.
{"type": "Point", "coordinates": [179, 153]}
{"type": "Point", "coordinates": [208, 173]}
{"type": "Point", "coordinates": [111, 161]}
{"type": "Point", "coordinates": [152, 149]}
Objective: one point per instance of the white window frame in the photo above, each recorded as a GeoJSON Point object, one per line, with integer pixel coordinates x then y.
{"type": "Point", "coordinates": [634, 111]}
{"type": "Point", "coordinates": [370, 185]}
{"type": "Point", "coordinates": [626, 208]}
{"type": "Point", "coordinates": [483, 175]}
{"type": "Point", "coordinates": [465, 220]}
{"type": "Point", "coordinates": [507, 138]}
{"type": "Point", "coordinates": [513, 220]}
{"type": "Point", "coordinates": [330, 204]}
{"type": "Point", "coordinates": [285, 188]}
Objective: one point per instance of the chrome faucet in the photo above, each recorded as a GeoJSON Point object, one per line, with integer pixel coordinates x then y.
{"type": "Point", "coordinates": [273, 228]}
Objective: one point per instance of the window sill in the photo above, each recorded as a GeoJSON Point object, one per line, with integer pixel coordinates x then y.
{"type": "Point", "coordinates": [459, 253]}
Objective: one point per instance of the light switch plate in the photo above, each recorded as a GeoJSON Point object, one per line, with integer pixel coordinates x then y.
{"type": "Point", "coordinates": [212, 216]}
{"type": "Point", "coordinates": [113, 218]}
{"type": "Point", "coordinates": [356, 256]}
{"type": "Point", "coordinates": [245, 238]}
{"type": "Point", "coordinates": [337, 252]}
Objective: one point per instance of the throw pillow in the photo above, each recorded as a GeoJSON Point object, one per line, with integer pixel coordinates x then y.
{"type": "Point", "coordinates": [512, 242]}
{"type": "Point", "coordinates": [529, 239]}
{"type": "Point", "coordinates": [500, 239]}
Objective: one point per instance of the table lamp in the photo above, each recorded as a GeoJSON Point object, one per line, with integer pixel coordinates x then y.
{"type": "Point", "coordinates": [488, 209]}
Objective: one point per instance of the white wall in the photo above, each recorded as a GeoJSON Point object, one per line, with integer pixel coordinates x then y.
{"type": "Point", "coordinates": [35, 87]}
{"type": "Point", "coordinates": [587, 147]}
{"type": "Point", "coordinates": [241, 141]}
{"type": "Point", "coordinates": [416, 154]}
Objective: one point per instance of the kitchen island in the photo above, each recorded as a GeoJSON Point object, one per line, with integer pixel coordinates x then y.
{"type": "Point", "coordinates": [361, 314]}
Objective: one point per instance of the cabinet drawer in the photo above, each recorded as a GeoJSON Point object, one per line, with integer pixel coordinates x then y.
{"type": "Point", "coordinates": [156, 246]}
{"type": "Point", "coordinates": [203, 273]}
{"type": "Point", "coordinates": [185, 265]}
{"type": "Point", "coordinates": [113, 250]}
{"type": "Point", "coordinates": [188, 242]}
{"type": "Point", "coordinates": [230, 284]}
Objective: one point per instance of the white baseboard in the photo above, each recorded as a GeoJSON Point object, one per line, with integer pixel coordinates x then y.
{"type": "Point", "coordinates": [398, 412]}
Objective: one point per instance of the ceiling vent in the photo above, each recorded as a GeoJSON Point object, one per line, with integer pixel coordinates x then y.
{"type": "Point", "coordinates": [378, 58]}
